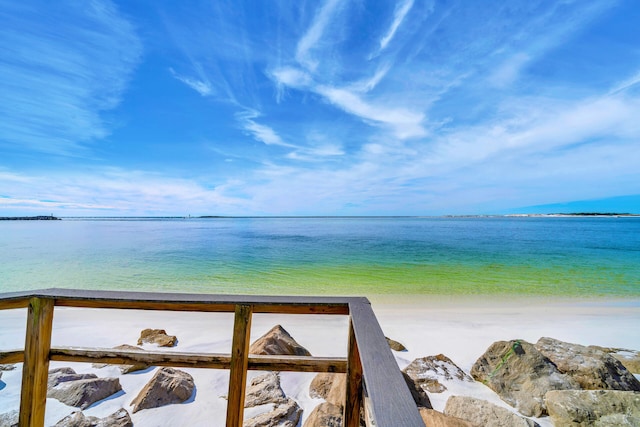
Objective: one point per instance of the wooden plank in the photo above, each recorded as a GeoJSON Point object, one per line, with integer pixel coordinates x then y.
{"type": "Point", "coordinates": [33, 395]}
{"type": "Point", "coordinates": [239, 363]}
{"type": "Point", "coordinates": [8, 303]}
{"type": "Point", "coordinates": [197, 360]}
{"type": "Point", "coordinates": [353, 398]}
{"type": "Point", "coordinates": [390, 400]}
{"type": "Point", "coordinates": [297, 363]}
{"type": "Point", "coordinates": [184, 301]}
{"type": "Point", "coordinates": [11, 356]}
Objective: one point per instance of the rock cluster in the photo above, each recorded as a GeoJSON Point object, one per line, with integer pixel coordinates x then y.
{"type": "Point", "coordinates": [265, 389]}
{"type": "Point", "coordinates": [157, 336]}
{"type": "Point", "coordinates": [120, 418]}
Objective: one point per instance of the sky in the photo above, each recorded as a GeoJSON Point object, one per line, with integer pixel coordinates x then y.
{"type": "Point", "coordinates": [320, 107]}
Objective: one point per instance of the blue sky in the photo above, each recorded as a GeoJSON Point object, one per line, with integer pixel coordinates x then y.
{"type": "Point", "coordinates": [323, 107]}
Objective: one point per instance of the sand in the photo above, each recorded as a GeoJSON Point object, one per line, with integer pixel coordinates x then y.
{"type": "Point", "coordinates": [461, 328]}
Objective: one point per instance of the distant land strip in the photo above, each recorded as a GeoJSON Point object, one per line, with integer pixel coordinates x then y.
{"type": "Point", "coordinates": [29, 218]}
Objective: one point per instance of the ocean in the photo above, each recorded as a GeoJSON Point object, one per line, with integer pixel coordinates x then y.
{"type": "Point", "coordinates": [536, 256]}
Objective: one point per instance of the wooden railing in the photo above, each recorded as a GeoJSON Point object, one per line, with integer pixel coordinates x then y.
{"type": "Point", "coordinates": [372, 373]}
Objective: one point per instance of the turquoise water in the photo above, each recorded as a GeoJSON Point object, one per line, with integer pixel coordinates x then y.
{"type": "Point", "coordinates": [317, 256]}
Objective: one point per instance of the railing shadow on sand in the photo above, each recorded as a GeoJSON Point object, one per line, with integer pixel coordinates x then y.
{"type": "Point", "coordinates": [375, 386]}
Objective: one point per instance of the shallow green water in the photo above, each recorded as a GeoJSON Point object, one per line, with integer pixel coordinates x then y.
{"type": "Point", "coordinates": [363, 256]}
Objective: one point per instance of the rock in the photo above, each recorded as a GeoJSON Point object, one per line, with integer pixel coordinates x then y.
{"type": "Point", "coordinates": [630, 359]}
{"type": "Point", "coordinates": [9, 419]}
{"type": "Point", "coordinates": [594, 407]}
{"type": "Point", "coordinates": [325, 415]}
{"type": "Point", "coordinates": [592, 368]}
{"type": "Point", "coordinates": [481, 413]}
{"type": "Point", "coordinates": [125, 369]}
{"type": "Point", "coordinates": [434, 418]}
{"type": "Point", "coordinates": [119, 418]}
{"type": "Point", "coordinates": [418, 393]}
{"type": "Point", "coordinates": [84, 392]}
{"type": "Point", "coordinates": [63, 375]}
{"type": "Point", "coordinates": [157, 336]}
{"type": "Point", "coordinates": [330, 387]}
{"type": "Point", "coordinates": [427, 372]}
{"type": "Point", "coordinates": [7, 368]}
{"type": "Point", "coordinates": [520, 375]}
{"type": "Point", "coordinates": [264, 389]}
{"type": "Point", "coordinates": [167, 386]}
{"type": "Point", "coordinates": [395, 345]}
{"type": "Point", "coordinates": [278, 341]}
{"type": "Point", "coordinates": [286, 414]}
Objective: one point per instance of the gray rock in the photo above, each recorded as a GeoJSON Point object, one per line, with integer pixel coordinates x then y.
{"type": "Point", "coordinates": [520, 375]}
{"type": "Point", "coordinates": [325, 415]}
{"type": "Point", "coordinates": [119, 418]}
{"type": "Point", "coordinates": [125, 369]}
{"type": "Point", "coordinates": [430, 372]}
{"type": "Point", "coordinates": [594, 407]}
{"type": "Point", "coordinates": [481, 413]}
{"type": "Point", "coordinates": [592, 368]}
{"type": "Point", "coordinates": [63, 375]}
{"type": "Point", "coordinates": [434, 418]}
{"type": "Point", "coordinates": [629, 358]}
{"type": "Point", "coordinates": [330, 387]}
{"type": "Point", "coordinates": [278, 341]}
{"type": "Point", "coordinates": [84, 392]}
{"type": "Point", "coordinates": [286, 414]}
{"type": "Point", "coordinates": [9, 419]}
{"type": "Point", "coordinates": [395, 345]}
{"type": "Point", "coordinates": [157, 336]}
{"type": "Point", "coordinates": [264, 389]}
{"type": "Point", "coordinates": [167, 386]}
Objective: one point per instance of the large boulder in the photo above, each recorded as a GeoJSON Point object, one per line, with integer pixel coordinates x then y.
{"type": "Point", "coordinates": [167, 386]}
{"type": "Point", "coordinates": [431, 372]}
{"type": "Point", "coordinates": [330, 387]}
{"type": "Point", "coordinates": [594, 407]}
{"type": "Point", "coordinates": [285, 414]}
{"type": "Point", "coordinates": [481, 413]}
{"type": "Point", "coordinates": [125, 369]}
{"type": "Point", "coordinates": [63, 375]}
{"type": "Point", "coordinates": [83, 393]}
{"type": "Point", "coordinates": [157, 336]}
{"type": "Point", "coordinates": [278, 341]}
{"type": "Point", "coordinates": [119, 418]}
{"type": "Point", "coordinates": [520, 375]}
{"type": "Point", "coordinates": [264, 389]}
{"type": "Point", "coordinates": [592, 368]}
{"type": "Point", "coordinates": [325, 415]}
{"type": "Point", "coordinates": [433, 418]}
{"type": "Point", "coordinates": [9, 419]}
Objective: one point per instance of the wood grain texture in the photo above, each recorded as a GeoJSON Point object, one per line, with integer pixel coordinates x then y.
{"type": "Point", "coordinates": [389, 396]}
{"type": "Point", "coordinates": [353, 398]}
{"type": "Point", "coordinates": [194, 360]}
{"type": "Point", "coordinates": [11, 356]}
{"type": "Point", "coordinates": [239, 364]}
{"type": "Point", "coordinates": [33, 395]}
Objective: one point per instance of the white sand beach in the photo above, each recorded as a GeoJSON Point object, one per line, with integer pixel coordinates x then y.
{"type": "Point", "coordinates": [460, 328]}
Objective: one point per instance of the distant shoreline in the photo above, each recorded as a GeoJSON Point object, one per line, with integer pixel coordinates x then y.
{"type": "Point", "coordinates": [30, 218]}
{"type": "Point", "coordinates": [522, 215]}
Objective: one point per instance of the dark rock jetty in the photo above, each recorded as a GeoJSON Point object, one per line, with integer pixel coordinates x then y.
{"type": "Point", "coordinates": [29, 218]}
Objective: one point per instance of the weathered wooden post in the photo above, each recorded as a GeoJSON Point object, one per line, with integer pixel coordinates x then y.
{"type": "Point", "coordinates": [33, 397]}
{"type": "Point", "coordinates": [353, 399]}
{"type": "Point", "coordinates": [239, 364]}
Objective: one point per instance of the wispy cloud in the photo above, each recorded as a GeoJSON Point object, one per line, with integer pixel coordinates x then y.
{"type": "Point", "coordinates": [202, 86]}
{"type": "Point", "coordinates": [260, 132]}
{"type": "Point", "coordinates": [56, 80]}
{"type": "Point", "coordinates": [401, 11]}
{"type": "Point", "coordinates": [314, 33]}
